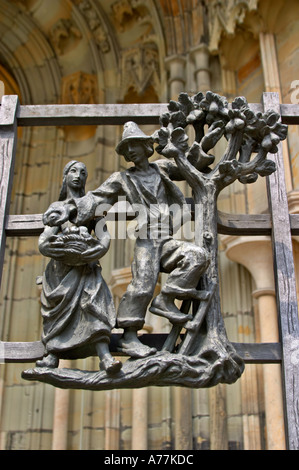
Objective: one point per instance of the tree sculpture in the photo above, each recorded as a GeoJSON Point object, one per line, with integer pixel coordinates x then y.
{"type": "Point", "coordinates": [250, 137]}
{"type": "Point", "coordinates": [201, 355]}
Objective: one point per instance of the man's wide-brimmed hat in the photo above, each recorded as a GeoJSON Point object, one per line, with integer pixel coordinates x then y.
{"type": "Point", "coordinates": [132, 132]}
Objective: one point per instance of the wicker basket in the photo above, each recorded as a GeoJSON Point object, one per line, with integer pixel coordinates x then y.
{"type": "Point", "coordinates": [75, 242]}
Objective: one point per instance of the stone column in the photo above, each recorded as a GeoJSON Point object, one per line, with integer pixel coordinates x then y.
{"type": "Point", "coordinates": [61, 413]}
{"type": "Point", "coordinates": [255, 253]}
{"type": "Point", "coordinates": [119, 282]}
{"type": "Point", "coordinates": [112, 420]}
{"type": "Point", "coordinates": [139, 419]}
{"type": "Point", "coordinates": [2, 90]}
{"type": "Point", "coordinates": [183, 419]}
{"type": "Point", "coordinates": [273, 84]}
{"type": "Point", "coordinates": [176, 66]}
{"type": "Point", "coordinates": [270, 62]}
{"type": "Point", "coordinates": [201, 57]}
{"type": "Point", "coordinates": [229, 87]}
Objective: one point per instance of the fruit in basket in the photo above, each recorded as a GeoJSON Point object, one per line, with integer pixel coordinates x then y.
{"type": "Point", "coordinates": [75, 241]}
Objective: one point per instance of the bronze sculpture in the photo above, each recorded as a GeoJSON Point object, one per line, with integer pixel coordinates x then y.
{"type": "Point", "coordinates": [197, 352]}
{"type": "Point", "coordinates": [76, 304]}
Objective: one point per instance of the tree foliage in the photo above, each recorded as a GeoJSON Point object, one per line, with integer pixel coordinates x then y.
{"type": "Point", "coordinates": [249, 137]}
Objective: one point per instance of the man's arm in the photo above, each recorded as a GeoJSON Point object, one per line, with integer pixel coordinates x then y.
{"type": "Point", "coordinates": [81, 210]}
{"type": "Point", "coordinates": [100, 200]}
{"type": "Point", "coordinates": [171, 169]}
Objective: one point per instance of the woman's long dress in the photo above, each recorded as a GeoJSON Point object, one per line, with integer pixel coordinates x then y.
{"type": "Point", "coordinates": [76, 305]}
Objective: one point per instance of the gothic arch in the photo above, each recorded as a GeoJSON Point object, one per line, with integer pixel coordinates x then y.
{"type": "Point", "coordinates": [183, 25]}
{"type": "Point", "coordinates": [28, 56]}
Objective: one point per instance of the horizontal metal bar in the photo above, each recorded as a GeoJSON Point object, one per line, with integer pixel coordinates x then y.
{"type": "Point", "coordinates": [93, 114]}
{"type": "Point", "coordinates": [24, 225]}
{"type": "Point", "coordinates": [252, 353]}
{"type": "Point", "coordinates": [228, 224]}
{"type": "Point", "coordinates": [117, 114]}
{"type": "Point", "coordinates": [23, 352]}
{"type": "Point", "coordinates": [244, 224]}
{"type": "Point", "coordinates": [289, 113]}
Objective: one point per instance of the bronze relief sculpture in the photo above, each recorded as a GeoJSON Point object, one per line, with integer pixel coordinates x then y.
{"type": "Point", "coordinates": [76, 304]}
{"type": "Point", "coordinates": [197, 352]}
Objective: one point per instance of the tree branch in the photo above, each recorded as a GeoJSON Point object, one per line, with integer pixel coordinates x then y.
{"type": "Point", "coordinates": [251, 166]}
{"type": "Point", "coordinates": [193, 177]}
{"type": "Point", "coordinates": [230, 171]}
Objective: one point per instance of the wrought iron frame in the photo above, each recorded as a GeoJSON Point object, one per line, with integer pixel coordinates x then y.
{"type": "Point", "coordinates": [279, 224]}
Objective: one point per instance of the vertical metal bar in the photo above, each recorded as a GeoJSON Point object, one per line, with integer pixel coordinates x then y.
{"type": "Point", "coordinates": [284, 273]}
{"type": "Point", "coordinates": [8, 144]}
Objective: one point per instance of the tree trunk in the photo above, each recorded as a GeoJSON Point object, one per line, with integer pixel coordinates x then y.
{"type": "Point", "coordinates": [211, 342]}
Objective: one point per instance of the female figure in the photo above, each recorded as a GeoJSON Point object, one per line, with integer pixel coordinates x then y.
{"type": "Point", "coordinates": [76, 304]}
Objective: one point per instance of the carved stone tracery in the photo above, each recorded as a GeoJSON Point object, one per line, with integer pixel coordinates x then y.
{"type": "Point", "coordinates": [124, 14]}
{"type": "Point", "coordinates": [95, 24]}
{"type": "Point", "coordinates": [79, 88]}
{"type": "Point", "coordinates": [225, 16]}
{"type": "Point", "coordinates": [62, 33]}
{"type": "Point", "coordinates": [141, 68]}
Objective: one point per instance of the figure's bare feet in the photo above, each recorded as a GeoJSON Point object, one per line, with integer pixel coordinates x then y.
{"type": "Point", "coordinates": [129, 344]}
{"type": "Point", "coordinates": [164, 307]}
{"type": "Point", "coordinates": [48, 361]}
{"type": "Point", "coordinates": [110, 364]}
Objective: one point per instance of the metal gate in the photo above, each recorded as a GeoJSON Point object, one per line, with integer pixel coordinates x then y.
{"type": "Point", "coordinates": [279, 224]}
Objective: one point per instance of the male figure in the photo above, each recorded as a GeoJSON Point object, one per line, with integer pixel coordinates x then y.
{"type": "Point", "coordinates": [149, 186]}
